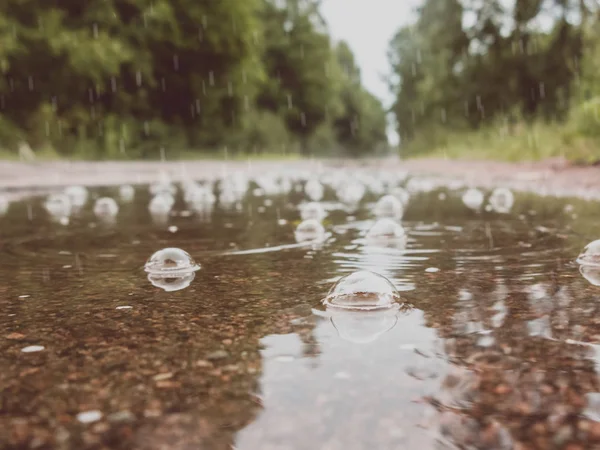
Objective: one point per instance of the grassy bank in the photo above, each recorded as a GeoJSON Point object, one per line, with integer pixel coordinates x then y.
{"type": "Point", "coordinates": [577, 139]}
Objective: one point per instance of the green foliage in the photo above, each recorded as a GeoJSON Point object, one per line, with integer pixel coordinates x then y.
{"type": "Point", "coordinates": [476, 68]}
{"type": "Point", "coordinates": [135, 79]}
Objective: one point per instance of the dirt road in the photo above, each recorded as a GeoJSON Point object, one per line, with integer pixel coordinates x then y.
{"type": "Point", "coordinates": [556, 177]}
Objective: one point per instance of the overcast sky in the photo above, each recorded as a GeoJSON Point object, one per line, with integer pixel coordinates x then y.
{"type": "Point", "coordinates": [368, 26]}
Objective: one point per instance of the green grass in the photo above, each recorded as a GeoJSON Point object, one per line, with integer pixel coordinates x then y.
{"type": "Point", "coordinates": [577, 140]}
{"type": "Point", "coordinates": [49, 154]}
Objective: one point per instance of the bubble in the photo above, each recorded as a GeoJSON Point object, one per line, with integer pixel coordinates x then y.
{"type": "Point", "coordinates": [312, 210]}
{"type": "Point", "coordinates": [161, 204]}
{"type": "Point", "coordinates": [591, 273]}
{"type": "Point", "coordinates": [162, 187]}
{"type": "Point", "coordinates": [502, 200]}
{"type": "Point", "coordinates": [473, 198]}
{"type": "Point", "coordinates": [200, 195]}
{"type": "Point", "coordinates": [171, 283]}
{"type": "Point", "coordinates": [310, 230]}
{"type": "Point", "coordinates": [58, 205]}
{"type": "Point", "coordinates": [387, 229]}
{"type": "Point", "coordinates": [363, 290]}
{"type": "Point", "coordinates": [590, 255]}
{"type": "Point", "coordinates": [171, 261]}
{"type": "Point", "coordinates": [314, 190]}
{"type": "Point", "coordinates": [4, 204]}
{"type": "Point", "coordinates": [351, 192]}
{"type": "Point", "coordinates": [106, 207]}
{"type": "Point", "coordinates": [229, 197]}
{"type": "Point", "coordinates": [389, 206]}
{"type": "Point", "coordinates": [401, 194]}
{"type": "Point", "coordinates": [78, 195]}
{"type": "Point", "coordinates": [126, 192]}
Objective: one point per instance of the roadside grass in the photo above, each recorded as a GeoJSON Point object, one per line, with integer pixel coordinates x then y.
{"type": "Point", "coordinates": [533, 142]}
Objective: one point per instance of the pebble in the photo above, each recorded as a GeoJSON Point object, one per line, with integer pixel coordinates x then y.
{"type": "Point", "coordinates": [121, 416]}
{"type": "Point", "coordinates": [218, 354]}
{"type": "Point", "coordinates": [33, 348]}
{"type": "Point", "coordinates": [162, 376]}
{"type": "Point", "coordinates": [124, 307]}
{"type": "Point", "coordinates": [432, 270]}
{"type": "Point", "coordinates": [89, 416]}
{"type": "Point", "coordinates": [15, 336]}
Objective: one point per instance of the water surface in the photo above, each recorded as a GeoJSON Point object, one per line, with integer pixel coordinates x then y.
{"type": "Point", "coordinates": [501, 346]}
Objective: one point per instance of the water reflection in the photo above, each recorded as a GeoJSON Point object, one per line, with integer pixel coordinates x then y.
{"type": "Point", "coordinates": [173, 282]}
{"type": "Point", "coordinates": [504, 334]}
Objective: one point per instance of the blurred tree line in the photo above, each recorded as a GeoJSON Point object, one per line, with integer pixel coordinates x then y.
{"type": "Point", "coordinates": [499, 68]}
{"type": "Point", "coordinates": [127, 78]}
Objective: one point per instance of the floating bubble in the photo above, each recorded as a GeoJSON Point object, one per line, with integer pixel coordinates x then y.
{"type": "Point", "coordinates": [314, 189]}
{"type": "Point", "coordinates": [351, 192]}
{"type": "Point", "coordinates": [171, 283]}
{"type": "Point", "coordinates": [389, 206]}
{"type": "Point", "coordinates": [58, 205]}
{"type": "Point", "coordinates": [312, 210]}
{"type": "Point", "coordinates": [310, 230]}
{"type": "Point", "coordinates": [126, 192]}
{"type": "Point", "coordinates": [161, 204]}
{"type": "Point", "coordinates": [4, 204]}
{"type": "Point", "coordinates": [401, 194]}
{"type": "Point", "coordinates": [591, 273]}
{"type": "Point", "coordinates": [363, 290]}
{"type": "Point", "coordinates": [502, 200]}
{"type": "Point", "coordinates": [590, 255]}
{"type": "Point", "coordinates": [163, 187]}
{"type": "Point", "coordinates": [200, 195]}
{"type": "Point", "coordinates": [78, 195]}
{"type": "Point", "coordinates": [172, 262]}
{"type": "Point", "coordinates": [473, 198]}
{"type": "Point", "coordinates": [229, 197]}
{"type": "Point", "coordinates": [386, 229]}
{"type": "Point", "coordinates": [106, 207]}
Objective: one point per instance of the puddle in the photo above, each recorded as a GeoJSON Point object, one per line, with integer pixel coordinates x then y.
{"type": "Point", "coordinates": [240, 352]}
